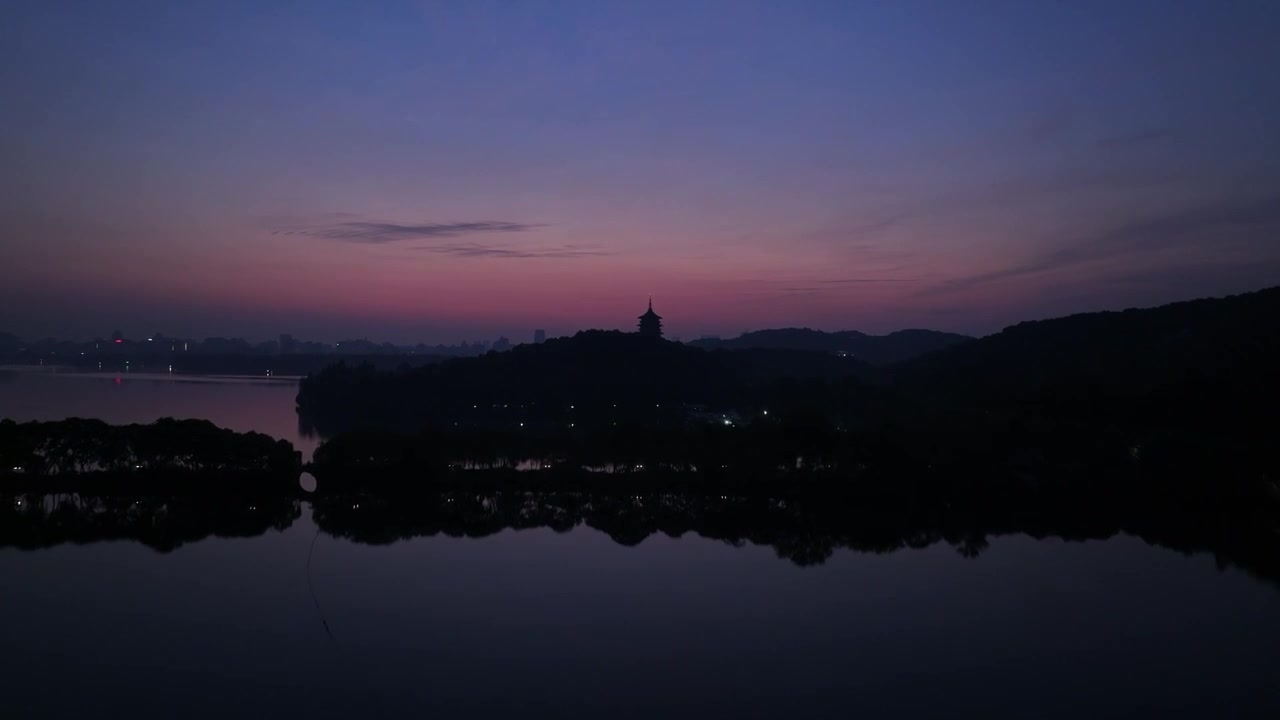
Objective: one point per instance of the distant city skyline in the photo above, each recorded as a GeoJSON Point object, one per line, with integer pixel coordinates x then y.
{"type": "Point", "coordinates": [327, 334]}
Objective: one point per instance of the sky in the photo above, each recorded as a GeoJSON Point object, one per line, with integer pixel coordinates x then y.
{"type": "Point", "coordinates": [443, 171]}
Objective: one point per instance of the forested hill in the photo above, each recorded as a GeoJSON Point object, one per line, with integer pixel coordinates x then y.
{"type": "Point", "coordinates": [1201, 356]}
{"type": "Point", "coordinates": [871, 349]}
{"type": "Point", "coordinates": [607, 372]}
{"type": "Point", "coordinates": [1205, 366]}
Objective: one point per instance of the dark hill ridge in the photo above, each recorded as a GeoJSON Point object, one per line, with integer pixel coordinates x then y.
{"type": "Point", "coordinates": [1216, 356]}
{"type": "Point", "coordinates": [596, 372]}
{"type": "Point", "coordinates": [1183, 371]}
{"type": "Point", "coordinates": [871, 349]}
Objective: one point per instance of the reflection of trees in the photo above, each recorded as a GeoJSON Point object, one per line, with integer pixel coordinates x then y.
{"type": "Point", "coordinates": [80, 454]}
{"type": "Point", "coordinates": [966, 457]}
{"type": "Point", "coordinates": [593, 379]}
{"type": "Point", "coordinates": [160, 522]}
{"type": "Point", "coordinates": [805, 530]}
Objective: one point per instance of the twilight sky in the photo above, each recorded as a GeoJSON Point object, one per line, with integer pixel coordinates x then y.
{"type": "Point", "coordinates": [440, 171]}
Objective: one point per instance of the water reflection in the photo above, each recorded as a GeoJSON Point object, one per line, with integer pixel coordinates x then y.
{"type": "Point", "coordinates": [803, 532]}
{"type": "Point", "coordinates": [236, 403]}
{"type": "Point", "coordinates": [163, 523]}
{"type": "Point", "coordinates": [436, 605]}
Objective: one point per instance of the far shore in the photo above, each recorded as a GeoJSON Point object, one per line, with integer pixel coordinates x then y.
{"type": "Point", "coordinates": [146, 374]}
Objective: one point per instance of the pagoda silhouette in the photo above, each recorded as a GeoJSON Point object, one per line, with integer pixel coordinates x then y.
{"type": "Point", "coordinates": [651, 322]}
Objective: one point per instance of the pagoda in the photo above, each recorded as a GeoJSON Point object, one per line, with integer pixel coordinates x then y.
{"type": "Point", "coordinates": [651, 322]}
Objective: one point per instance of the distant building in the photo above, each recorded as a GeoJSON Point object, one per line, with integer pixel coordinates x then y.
{"type": "Point", "coordinates": [539, 336]}
{"type": "Point", "coordinates": [651, 322]}
{"type": "Point", "coordinates": [502, 344]}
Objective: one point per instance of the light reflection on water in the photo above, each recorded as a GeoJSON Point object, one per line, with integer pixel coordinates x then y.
{"type": "Point", "coordinates": [296, 622]}
{"type": "Point", "coordinates": [548, 624]}
{"type": "Point", "coordinates": [239, 403]}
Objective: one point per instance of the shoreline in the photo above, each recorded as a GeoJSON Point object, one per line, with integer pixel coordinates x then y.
{"type": "Point", "coordinates": [72, 370]}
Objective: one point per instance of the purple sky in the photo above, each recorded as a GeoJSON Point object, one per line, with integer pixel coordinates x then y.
{"type": "Point", "coordinates": [440, 171]}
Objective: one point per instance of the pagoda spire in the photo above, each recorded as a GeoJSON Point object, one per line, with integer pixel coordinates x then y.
{"type": "Point", "coordinates": [651, 322]}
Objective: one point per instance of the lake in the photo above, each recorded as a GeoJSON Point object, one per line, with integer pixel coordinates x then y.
{"type": "Point", "coordinates": [260, 404]}
{"type": "Point", "coordinates": [321, 615]}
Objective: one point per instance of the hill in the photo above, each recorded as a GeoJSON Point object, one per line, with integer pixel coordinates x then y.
{"type": "Point", "coordinates": [605, 376]}
{"type": "Point", "coordinates": [1208, 360]}
{"type": "Point", "coordinates": [872, 349]}
{"type": "Point", "coordinates": [1189, 388]}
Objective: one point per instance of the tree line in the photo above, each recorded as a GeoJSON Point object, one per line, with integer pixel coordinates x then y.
{"type": "Point", "coordinates": [84, 453]}
{"type": "Point", "coordinates": [805, 530]}
{"type": "Point", "coordinates": [163, 522]}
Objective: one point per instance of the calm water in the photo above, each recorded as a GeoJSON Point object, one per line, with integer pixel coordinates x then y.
{"type": "Point", "coordinates": [299, 623]}
{"type": "Point", "coordinates": [243, 404]}
{"type": "Point", "coordinates": [535, 622]}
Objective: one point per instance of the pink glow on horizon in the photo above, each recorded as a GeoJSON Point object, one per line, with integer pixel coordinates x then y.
{"type": "Point", "coordinates": [474, 171]}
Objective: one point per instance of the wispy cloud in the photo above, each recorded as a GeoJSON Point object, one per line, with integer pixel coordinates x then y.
{"type": "Point", "coordinates": [1195, 227]}
{"type": "Point", "coordinates": [857, 231]}
{"type": "Point", "coordinates": [352, 228]}
{"type": "Point", "coordinates": [850, 281]}
{"type": "Point", "coordinates": [828, 286]}
{"type": "Point", "coordinates": [472, 250]}
{"type": "Point", "coordinates": [375, 233]}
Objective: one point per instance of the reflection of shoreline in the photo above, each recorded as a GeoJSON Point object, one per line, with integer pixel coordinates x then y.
{"type": "Point", "coordinates": [805, 531]}
{"type": "Point", "coordinates": [162, 523]}
{"type": "Point", "coordinates": [69, 371]}
{"type": "Point", "coordinates": [244, 405]}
